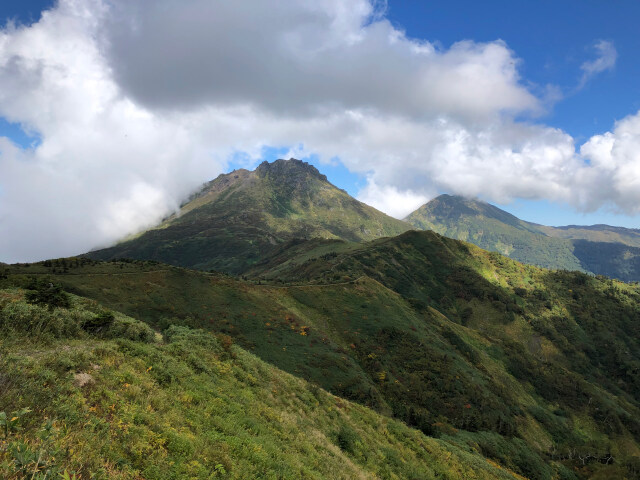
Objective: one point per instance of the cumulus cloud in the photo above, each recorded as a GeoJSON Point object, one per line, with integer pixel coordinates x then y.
{"type": "Point", "coordinates": [614, 172]}
{"type": "Point", "coordinates": [137, 103]}
{"type": "Point", "coordinates": [391, 200]}
{"type": "Point", "coordinates": [294, 57]}
{"type": "Point", "coordinates": [606, 56]}
{"type": "Point", "coordinates": [101, 159]}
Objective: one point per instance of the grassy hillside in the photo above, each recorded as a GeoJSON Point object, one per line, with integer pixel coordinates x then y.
{"type": "Point", "coordinates": [599, 249]}
{"type": "Point", "coordinates": [239, 216]}
{"type": "Point", "coordinates": [90, 393]}
{"type": "Point", "coordinates": [548, 327]}
{"type": "Point", "coordinates": [536, 370]}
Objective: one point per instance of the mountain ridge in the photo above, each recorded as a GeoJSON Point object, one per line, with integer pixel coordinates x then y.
{"type": "Point", "coordinates": [598, 249]}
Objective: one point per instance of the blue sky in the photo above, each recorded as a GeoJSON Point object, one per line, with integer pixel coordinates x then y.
{"type": "Point", "coordinates": [112, 111]}
{"type": "Point", "coordinates": [552, 39]}
{"type": "Point", "coordinates": [23, 11]}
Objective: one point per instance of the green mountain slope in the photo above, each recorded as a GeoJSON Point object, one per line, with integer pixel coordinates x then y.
{"type": "Point", "coordinates": [88, 397]}
{"type": "Point", "coordinates": [239, 216]}
{"type": "Point", "coordinates": [599, 249]}
{"type": "Point", "coordinates": [536, 370]}
{"type": "Point", "coordinates": [611, 259]}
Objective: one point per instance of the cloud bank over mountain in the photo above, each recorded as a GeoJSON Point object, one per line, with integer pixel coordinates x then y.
{"type": "Point", "coordinates": [136, 103]}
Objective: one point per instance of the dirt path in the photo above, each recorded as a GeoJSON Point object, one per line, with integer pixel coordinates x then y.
{"type": "Point", "coordinates": [306, 285]}
{"type": "Point", "coordinates": [80, 274]}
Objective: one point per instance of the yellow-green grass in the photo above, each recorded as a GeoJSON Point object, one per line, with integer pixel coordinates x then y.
{"type": "Point", "coordinates": [190, 405]}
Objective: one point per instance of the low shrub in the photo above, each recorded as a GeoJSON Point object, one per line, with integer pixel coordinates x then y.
{"type": "Point", "coordinates": [130, 329]}
{"type": "Point", "coordinates": [98, 323]}
{"type": "Point", "coordinates": [347, 439]}
{"type": "Point", "coordinates": [43, 291]}
{"type": "Point", "coordinates": [38, 320]}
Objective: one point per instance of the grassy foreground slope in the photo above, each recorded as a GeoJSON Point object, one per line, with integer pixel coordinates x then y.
{"type": "Point", "coordinates": [238, 217]}
{"type": "Point", "coordinates": [92, 394]}
{"type": "Point", "coordinates": [537, 370]}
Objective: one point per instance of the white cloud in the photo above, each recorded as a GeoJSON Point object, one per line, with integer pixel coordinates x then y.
{"type": "Point", "coordinates": [98, 148]}
{"type": "Point", "coordinates": [605, 60]}
{"type": "Point", "coordinates": [301, 58]}
{"type": "Point", "coordinates": [615, 173]}
{"type": "Point", "coordinates": [137, 103]}
{"type": "Point", "coordinates": [391, 200]}
{"type": "Point", "coordinates": [406, 160]}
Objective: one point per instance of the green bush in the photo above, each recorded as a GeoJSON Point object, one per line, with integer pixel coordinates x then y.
{"type": "Point", "coordinates": [131, 329]}
{"type": "Point", "coordinates": [98, 323]}
{"type": "Point", "coordinates": [38, 320]}
{"type": "Point", "coordinates": [43, 291]}
{"type": "Point", "coordinates": [182, 334]}
{"type": "Point", "coordinates": [347, 438]}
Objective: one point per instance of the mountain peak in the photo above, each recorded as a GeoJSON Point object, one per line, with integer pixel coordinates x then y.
{"type": "Point", "coordinates": [291, 169]}
{"type": "Point", "coordinates": [454, 202]}
{"type": "Point", "coordinates": [456, 206]}
{"type": "Point", "coordinates": [240, 216]}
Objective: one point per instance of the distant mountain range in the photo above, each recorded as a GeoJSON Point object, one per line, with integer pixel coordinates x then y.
{"type": "Point", "coordinates": [234, 220]}
{"type": "Point", "coordinates": [598, 249]}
